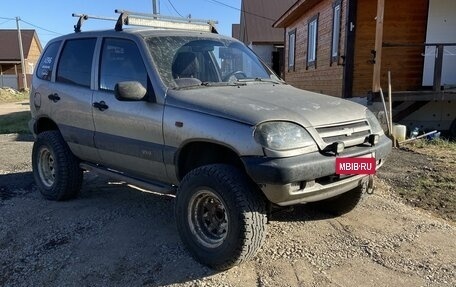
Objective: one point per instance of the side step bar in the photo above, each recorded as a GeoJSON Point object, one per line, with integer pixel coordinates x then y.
{"type": "Point", "coordinates": [149, 185]}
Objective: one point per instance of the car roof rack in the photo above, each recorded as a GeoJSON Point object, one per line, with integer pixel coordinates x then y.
{"type": "Point", "coordinates": [151, 20]}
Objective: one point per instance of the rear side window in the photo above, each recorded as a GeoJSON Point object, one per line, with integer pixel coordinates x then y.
{"type": "Point", "coordinates": [46, 64]}
{"type": "Point", "coordinates": [75, 63]}
{"type": "Point", "coordinates": [120, 61]}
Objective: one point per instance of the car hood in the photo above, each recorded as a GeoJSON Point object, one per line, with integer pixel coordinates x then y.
{"type": "Point", "coordinates": [259, 102]}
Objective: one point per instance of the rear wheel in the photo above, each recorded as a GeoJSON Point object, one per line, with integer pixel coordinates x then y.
{"type": "Point", "coordinates": [55, 169]}
{"type": "Point", "coordinates": [220, 217]}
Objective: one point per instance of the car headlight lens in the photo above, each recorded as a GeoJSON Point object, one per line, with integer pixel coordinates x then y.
{"type": "Point", "coordinates": [282, 136]}
{"type": "Point", "coordinates": [373, 122]}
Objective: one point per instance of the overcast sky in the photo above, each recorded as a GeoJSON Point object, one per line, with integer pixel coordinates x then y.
{"type": "Point", "coordinates": [52, 18]}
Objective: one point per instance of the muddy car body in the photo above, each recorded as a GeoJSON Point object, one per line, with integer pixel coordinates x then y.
{"type": "Point", "coordinates": [197, 115]}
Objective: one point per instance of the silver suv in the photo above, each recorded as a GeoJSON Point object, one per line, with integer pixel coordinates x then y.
{"type": "Point", "coordinates": [197, 115]}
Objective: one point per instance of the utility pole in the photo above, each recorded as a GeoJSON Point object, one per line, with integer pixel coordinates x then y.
{"type": "Point", "coordinates": [21, 51]}
{"type": "Point", "coordinates": [156, 7]}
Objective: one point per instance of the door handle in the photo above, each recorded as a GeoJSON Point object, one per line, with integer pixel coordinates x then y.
{"type": "Point", "coordinates": [54, 97]}
{"type": "Point", "coordinates": [100, 105]}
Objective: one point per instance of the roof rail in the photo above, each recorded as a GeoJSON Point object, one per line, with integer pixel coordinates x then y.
{"type": "Point", "coordinates": [151, 20]}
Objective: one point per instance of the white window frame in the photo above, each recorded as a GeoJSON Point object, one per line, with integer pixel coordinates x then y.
{"type": "Point", "coordinates": [312, 41]}
{"type": "Point", "coordinates": [292, 50]}
{"type": "Point", "coordinates": [335, 43]}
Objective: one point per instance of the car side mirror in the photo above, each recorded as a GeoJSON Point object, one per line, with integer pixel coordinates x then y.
{"type": "Point", "coordinates": [129, 91]}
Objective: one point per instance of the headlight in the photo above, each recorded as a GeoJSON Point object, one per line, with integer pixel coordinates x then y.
{"type": "Point", "coordinates": [373, 122]}
{"type": "Point", "coordinates": [282, 136]}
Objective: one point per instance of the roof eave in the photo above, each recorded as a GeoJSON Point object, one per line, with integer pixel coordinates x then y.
{"type": "Point", "coordinates": [38, 42]}
{"type": "Point", "coordinates": [294, 12]}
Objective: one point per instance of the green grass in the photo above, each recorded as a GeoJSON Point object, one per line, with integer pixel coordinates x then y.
{"type": "Point", "coordinates": [435, 143]}
{"type": "Point", "coordinates": [15, 123]}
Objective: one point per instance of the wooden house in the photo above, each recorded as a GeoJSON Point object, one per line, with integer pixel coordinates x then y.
{"type": "Point", "coordinates": [256, 31]}
{"type": "Point", "coordinates": [10, 58]}
{"type": "Point", "coordinates": [345, 48]}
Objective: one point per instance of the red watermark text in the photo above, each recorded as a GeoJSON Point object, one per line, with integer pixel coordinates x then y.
{"type": "Point", "coordinates": [355, 165]}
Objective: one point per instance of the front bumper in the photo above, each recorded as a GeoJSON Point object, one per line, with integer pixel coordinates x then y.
{"type": "Point", "coordinates": [309, 177]}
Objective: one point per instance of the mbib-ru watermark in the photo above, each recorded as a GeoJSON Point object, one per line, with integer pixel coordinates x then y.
{"type": "Point", "coordinates": [355, 165]}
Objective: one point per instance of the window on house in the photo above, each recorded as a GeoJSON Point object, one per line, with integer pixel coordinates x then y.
{"type": "Point", "coordinates": [291, 49]}
{"type": "Point", "coordinates": [337, 8]}
{"type": "Point", "coordinates": [312, 42]}
{"type": "Point", "coordinates": [75, 63]}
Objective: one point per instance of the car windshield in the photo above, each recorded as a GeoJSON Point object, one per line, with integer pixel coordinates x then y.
{"type": "Point", "coordinates": [185, 61]}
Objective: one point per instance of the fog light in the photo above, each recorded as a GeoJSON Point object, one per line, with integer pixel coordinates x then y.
{"type": "Point", "coordinates": [338, 147]}
{"type": "Point", "coordinates": [373, 139]}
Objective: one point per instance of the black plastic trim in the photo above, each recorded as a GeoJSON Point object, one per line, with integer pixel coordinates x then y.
{"type": "Point", "coordinates": [264, 170]}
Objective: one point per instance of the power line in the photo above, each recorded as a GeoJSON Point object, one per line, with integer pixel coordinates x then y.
{"type": "Point", "coordinates": [243, 11]}
{"type": "Point", "coordinates": [41, 28]}
{"type": "Point", "coordinates": [5, 22]}
{"type": "Point", "coordinates": [174, 8]}
{"type": "Point", "coordinates": [9, 19]}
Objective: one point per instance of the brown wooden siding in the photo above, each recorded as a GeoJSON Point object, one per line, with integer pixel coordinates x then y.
{"type": "Point", "coordinates": [325, 78]}
{"type": "Point", "coordinates": [405, 22]}
{"type": "Point", "coordinates": [364, 43]}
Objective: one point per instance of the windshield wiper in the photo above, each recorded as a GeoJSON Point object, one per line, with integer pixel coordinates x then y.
{"type": "Point", "coordinates": [222, 84]}
{"type": "Point", "coordinates": [266, 80]}
{"type": "Point", "coordinates": [208, 84]}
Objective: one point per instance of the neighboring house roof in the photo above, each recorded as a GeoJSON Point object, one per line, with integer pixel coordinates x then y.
{"type": "Point", "coordinates": [9, 48]}
{"type": "Point", "coordinates": [257, 17]}
{"type": "Point", "coordinates": [295, 11]}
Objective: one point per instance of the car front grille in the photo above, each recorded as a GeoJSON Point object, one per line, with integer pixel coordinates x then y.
{"type": "Point", "coordinates": [350, 134]}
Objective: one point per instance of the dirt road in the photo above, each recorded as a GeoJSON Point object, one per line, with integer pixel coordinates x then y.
{"type": "Point", "coordinates": [115, 235]}
{"type": "Point", "coordinates": [14, 107]}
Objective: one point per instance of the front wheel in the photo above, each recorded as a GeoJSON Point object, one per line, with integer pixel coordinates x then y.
{"type": "Point", "coordinates": [55, 169]}
{"type": "Point", "coordinates": [220, 217]}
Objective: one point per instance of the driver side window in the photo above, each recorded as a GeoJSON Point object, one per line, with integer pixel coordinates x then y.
{"type": "Point", "coordinates": [120, 61]}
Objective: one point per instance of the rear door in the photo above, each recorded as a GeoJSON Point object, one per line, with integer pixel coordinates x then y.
{"type": "Point", "coordinates": [128, 134]}
{"type": "Point", "coordinates": [71, 96]}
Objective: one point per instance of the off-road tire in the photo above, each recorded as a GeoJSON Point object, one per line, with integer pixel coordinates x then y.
{"type": "Point", "coordinates": [62, 178]}
{"type": "Point", "coordinates": [245, 213]}
{"type": "Point", "coordinates": [343, 203]}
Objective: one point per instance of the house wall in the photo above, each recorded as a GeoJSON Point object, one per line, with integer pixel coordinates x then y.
{"type": "Point", "coordinates": [9, 81]}
{"type": "Point", "coordinates": [264, 52]}
{"type": "Point", "coordinates": [325, 78]}
{"type": "Point", "coordinates": [33, 56]}
{"type": "Point", "coordinates": [441, 29]}
{"type": "Point", "coordinates": [8, 69]}
{"type": "Point", "coordinates": [404, 22]}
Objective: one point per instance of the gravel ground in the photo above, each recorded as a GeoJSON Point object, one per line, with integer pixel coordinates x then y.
{"type": "Point", "coordinates": [116, 235]}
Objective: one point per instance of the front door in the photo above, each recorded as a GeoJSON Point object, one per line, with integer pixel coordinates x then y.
{"type": "Point", "coordinates": [128, 134]}
{"type": "Point", "coordinates": [364, 40]}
